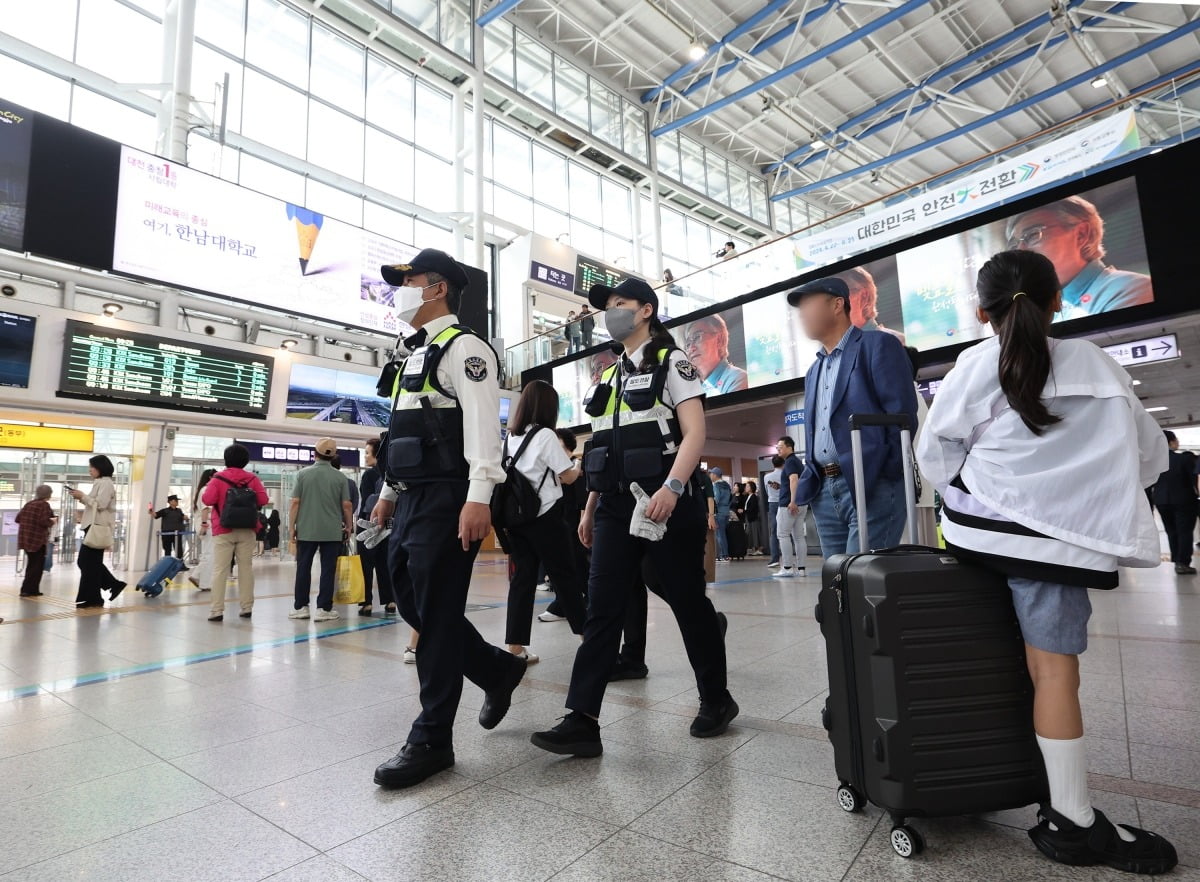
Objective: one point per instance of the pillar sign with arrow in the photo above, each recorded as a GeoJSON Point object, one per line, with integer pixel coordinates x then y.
{"type": "Point", "coordinates": [1162, 348]}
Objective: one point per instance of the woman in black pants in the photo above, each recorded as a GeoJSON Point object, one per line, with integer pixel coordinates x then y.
{"type": "Point", "coordinates": [374, 560]}
{"type": "Point", "coordinates": [545, 540]}
{"type": "Point", "coordinates": [647, 418]}
{"type": "Point", "coordinates": [100, 509]}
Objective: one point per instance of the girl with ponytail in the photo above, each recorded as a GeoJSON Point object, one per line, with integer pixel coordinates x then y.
{"type": "Point", "coordinates": [1016, 437]}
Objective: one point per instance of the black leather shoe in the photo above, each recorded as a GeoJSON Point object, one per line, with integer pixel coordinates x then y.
{"type": "Point", "coordinates": [497, 703]}
{"type": "Point", "coordinates": [413, 764]}
{"type": "Point", "coordinates": [116, 592]}
{"type": "Point", "coordinates": [245, 615]}
{"type": "Point", "coordinates": [624, 670]}
{"type": "Point", "coordinates": [714, 719]}
{"type": "Point", "coordinates": [220, 618]}
{"type": "Point", "coordinates": [576, 735]}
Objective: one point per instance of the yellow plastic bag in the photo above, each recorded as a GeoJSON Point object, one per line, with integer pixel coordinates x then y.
{"type": "Point", "coordinates": [350, 587]}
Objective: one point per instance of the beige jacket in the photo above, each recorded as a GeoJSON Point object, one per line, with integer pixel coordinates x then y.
{"type": "Point", "coordinates": [104, 498]}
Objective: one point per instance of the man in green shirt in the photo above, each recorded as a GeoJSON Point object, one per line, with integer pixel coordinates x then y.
{"type": "Point", "coordinates": [321, 518]}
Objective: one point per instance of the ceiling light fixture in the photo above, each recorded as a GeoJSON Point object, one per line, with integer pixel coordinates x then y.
{"type": "Point", "coordinates": [1137, 382]}
{"type": "Point", "coordinates": [696, 50]}
{"type": "Point", "coordinates": [1099, 82]}
{"type": "Point", "coordinates": [289, 344]}
{"type": "Point", "coordinates": [1158, 409]}
{"type": "Point", "coordinates": [819, 144]}
{"type": "Point", "coordinates": [111, 309]}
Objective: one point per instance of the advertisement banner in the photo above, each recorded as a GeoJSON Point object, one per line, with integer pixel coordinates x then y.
{"type": "Point", "coordinates": [978, 191]}
{"type": "Point", "coordinates": [186, 228]}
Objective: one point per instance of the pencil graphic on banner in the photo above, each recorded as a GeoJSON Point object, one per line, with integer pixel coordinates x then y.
{"type": "Point", "coordinates": [308, 225]}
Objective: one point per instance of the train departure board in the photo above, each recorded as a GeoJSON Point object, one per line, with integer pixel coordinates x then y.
{"type": "Point", "coordinates": [125, 366]}
{"type": "Point", "coordinates": [590, 272]}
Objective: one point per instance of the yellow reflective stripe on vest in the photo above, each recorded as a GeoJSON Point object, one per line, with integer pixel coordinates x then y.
{"type": "Point", "coordinates": [427, 391]}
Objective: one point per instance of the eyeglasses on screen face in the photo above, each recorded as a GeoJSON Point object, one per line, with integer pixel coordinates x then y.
{"type": "Point", "coordinates": [695, 338]}
{"type": "Point", "coordinates": [1033, 236]}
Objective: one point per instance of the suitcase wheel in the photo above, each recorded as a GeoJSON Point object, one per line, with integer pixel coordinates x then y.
{"type": "Point", "coordinates": [906, 841]}
{"type": "Point", "coordinates": [818, 614]}
{"type": "Point", "coordinates": [849, 799]}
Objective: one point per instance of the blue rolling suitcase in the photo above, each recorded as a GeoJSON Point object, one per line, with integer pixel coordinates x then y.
{"type": "Point", "coordinates": [152, 582]}
{"type": "Point", "coordinates": [930, 707]}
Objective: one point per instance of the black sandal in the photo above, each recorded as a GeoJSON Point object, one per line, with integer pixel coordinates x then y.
{"type": "Point", "coordinates": [364, 609]}
{"type": "Point", "coordinates": [1100, 843]}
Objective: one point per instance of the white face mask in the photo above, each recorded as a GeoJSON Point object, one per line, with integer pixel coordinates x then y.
{"type": "Point", "coordinates": [409, 300]}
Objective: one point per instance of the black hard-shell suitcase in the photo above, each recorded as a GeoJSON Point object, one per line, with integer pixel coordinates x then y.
{"type": "Point", "coordinates": [735, 533]}
{"type": "Point", "coordinates": [930, 707]}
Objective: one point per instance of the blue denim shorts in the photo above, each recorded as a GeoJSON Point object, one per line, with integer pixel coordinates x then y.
{"type": "Point", "coordinates": [1054, 618]}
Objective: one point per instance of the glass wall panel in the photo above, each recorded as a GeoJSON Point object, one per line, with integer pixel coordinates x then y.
{"type": "Point", "coordinates": [583, 186]}
{"type": "Point", "coordinates": [570, 92]}
{"type": "Point", "coordinates": [337, 70]}
{"type": "Point", "coordinates": [277, 40]}
{"type": "Point", "coordinates": [498, 58]}
{"type": "Point", "coordinates": [550, 178]}
{"type": "Point", "coordinates": [266, 177]}
{"type": "Point", "coordinates": [512, 207]}
{"type": "Point", "coordinates": [333, 202]}
{"type": "Point", "coordinates": [457, 26]}
{"type": "Point", "coordinates": [587, 238]}
{"type": "Point", "coordinates": [389, 165]}
{"type": "Point", "coordinates": [550, 223]}
{"type": "Point", "coordinates": [534, 65]}
{"type": "Point", "coordinates": [335, 141]}
{"type": "Point", "coordinates": [717, 177]}
{"type": "Point", "coordinates": [434, 182]}
{"type": "Point", "coordinates": [691, 164]}
{"type": "Point", "coordinates": [115, 41]}
{"type": "Point", "coordinates": [511, 162]}
{"type": "Point", "coordinates": [222, 23]}
{"type": "Point", "coordinates": [33, 88]}
{"type": "Point", "coordinates": [113, 119]}
{"type": "Point", "coordinates": [421, 14]}
{"type": "Point", "coordinates": [635, 132]}
{"type": "Point", "coordinates": [208, 73]}
{"type": "Point", "coordinates": [388, 223]}
{"type": "Point", "coordinates": [433, 115]}
{"type": "Point", "coordinates": [617, 216]}
{"type": "Point", "coordinates": [274, 114]}
{"type": "Point", "coordinates": [606, 114]}
{"type": "Point", "coordinates": [47, 24]}
{"type": "Point", "coordinates": [759, 209]}
{"type": "Point", "coordinates": [389, 97]}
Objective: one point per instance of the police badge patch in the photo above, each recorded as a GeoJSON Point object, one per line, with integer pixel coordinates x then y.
{"type": "Point", "coordinates": [686, 369]}
{"type": "Point", "coordinates": [476, 367]}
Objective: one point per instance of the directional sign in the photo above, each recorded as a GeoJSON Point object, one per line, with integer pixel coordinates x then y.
{"type": "Point", "coordinates": [1161, 348]}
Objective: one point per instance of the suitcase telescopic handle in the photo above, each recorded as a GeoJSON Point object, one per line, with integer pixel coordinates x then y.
{"type": "Point", "coordinates": [901, 421]}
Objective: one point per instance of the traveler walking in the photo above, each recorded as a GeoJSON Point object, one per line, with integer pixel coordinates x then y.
{"type": "Point", "coordinates": [856, 371]}
{"type": "Point", "coordinates": [1174, 495]}
{"type": "Point", "coordinates": [723, 496]}
{"type": "Point", "coordinates": [573, 502]}
{"type": "Point", "coordinates": [1015, 438]}
{"type": "Point", "coordinates": [587, 325]}
{"type": "Point", "coordinates": [201, 520]}
{"type": "Point", "coordinates": [789, 522]}
{"type": "Point", "coordinates": [322, 521]}
{"type": "Point", "coordinates": [235, 496]}
{"type": "Point", "coordinates": [99, 517]}
{"type": "Point", "coordinates": [773, 481]}
{"type": "Point", "coordinates": [648, 423]}
{"type": "Point", "coordinates": [34, 521]}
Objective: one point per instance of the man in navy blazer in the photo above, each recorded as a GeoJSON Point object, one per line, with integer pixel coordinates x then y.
{"type": "Point", "coordinates": [856, 371]}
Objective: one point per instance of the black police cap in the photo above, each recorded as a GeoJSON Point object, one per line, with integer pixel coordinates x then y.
{"type": "Point", "coordinates": [632, 289]}
{"type": "Point", "coordinates": [832, 286]}
{"type": "Point", "coordinates": [429, 260]}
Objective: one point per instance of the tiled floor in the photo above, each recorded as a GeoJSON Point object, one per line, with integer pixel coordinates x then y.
{"type": "Point", "coordinates": [257, 764]}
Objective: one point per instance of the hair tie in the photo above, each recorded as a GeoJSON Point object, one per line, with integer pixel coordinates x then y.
{"type": "Point", "coordinates": [1018, 294]}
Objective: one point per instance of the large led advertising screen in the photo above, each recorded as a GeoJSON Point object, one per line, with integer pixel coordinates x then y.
{"type": "Point", "coordinates": [924, 295]}
{"type": "Point", "coordinates": [16, 137]}
{"type": "Point", "coordinates": [16, 348]}
{"type": "Point", "coordinates": [325, 395]}
{"type": "Point", "coordinates": [187, 228]}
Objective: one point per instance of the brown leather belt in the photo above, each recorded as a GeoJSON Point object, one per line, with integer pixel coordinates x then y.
{"type": "Point", "coordinates": [830, 471]}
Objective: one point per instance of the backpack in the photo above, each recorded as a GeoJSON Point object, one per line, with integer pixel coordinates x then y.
{"type": "Point", "coordinates": [240, 510]}
{"type": "Point", "coordinates": [516, 502]}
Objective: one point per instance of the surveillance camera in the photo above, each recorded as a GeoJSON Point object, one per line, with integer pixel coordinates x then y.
{"type": "Point", "coordinates": [8, 291]}
{"type": "Point", "coordinates": [422, 60]}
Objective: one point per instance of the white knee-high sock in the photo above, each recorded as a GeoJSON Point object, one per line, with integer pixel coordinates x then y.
{"type": "Point", "coordinates": [1066, 769]}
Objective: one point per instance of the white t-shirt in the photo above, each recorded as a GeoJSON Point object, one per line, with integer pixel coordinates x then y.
{"type": "Point", "coordinates": [543, 458]}
{"type": "Point", "coordinates": [773, 480]}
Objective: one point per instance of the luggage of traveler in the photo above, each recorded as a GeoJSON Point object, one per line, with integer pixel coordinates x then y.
{"type": "Point", "coordinates": [152, 582]}
{"type": "Point", "coordinates": [735, 535]}
{"type": "Point", "coordinates": [930, 707]}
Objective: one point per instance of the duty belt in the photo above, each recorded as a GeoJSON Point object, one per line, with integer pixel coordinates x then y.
{"type": "Point", "coordinates": [832, 470]}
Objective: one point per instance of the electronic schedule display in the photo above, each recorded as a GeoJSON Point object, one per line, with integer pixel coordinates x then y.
{"type": "Point", "coordinates": [130, 367]}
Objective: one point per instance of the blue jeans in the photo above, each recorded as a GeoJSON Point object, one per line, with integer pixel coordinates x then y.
{"type": "Point", "coordinates": [772, 520]}
{"type": "Point", "coordinates": [837, 521]}
{"type": "Point", "coordinates": [722, 537]}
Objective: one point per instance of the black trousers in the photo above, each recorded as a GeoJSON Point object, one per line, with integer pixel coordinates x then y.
{"type": "Point", "coordinates": [35, 565]}
{"type": "Point", "coordinates": [375, 562]}
{"type": "Point", "coordinates": [431, 574]}
{"type": "Point", "coordinates": [678, 559]}
{"type": "Point", "coordinates": [305, 552]}
{"type": "Point", "coordinates": [172, 544]}
{"type": "Point", "coordinates": [633, 648]}
{"type": "Point", "coordinates": [94, 576]}
{"type": "Point", "coordinates": [1179, 521]}
{"type": "Point", "coordinates": [542, 543]}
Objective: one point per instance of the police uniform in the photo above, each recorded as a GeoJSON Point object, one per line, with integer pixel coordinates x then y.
{"type": "Point", "coordinates": [636, 436]}
{"type": "Point", "coordinates": [442, 450]}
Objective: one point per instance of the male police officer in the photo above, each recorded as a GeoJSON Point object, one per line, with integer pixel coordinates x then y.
{"type": "Point", "coordinates": [443, 459]}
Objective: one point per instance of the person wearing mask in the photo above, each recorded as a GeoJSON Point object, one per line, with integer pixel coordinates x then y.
{"type": "Point", "coordinates": [443, 462]}
{"type": "Point", "coordinates": [100, 509]}
{"type": "Point", "coordinates": [648, 431]}
{"type": "Point", "coordinates": [322, 519]}
{"type": "Point", "coordinates": [774, 481]}
{"type": "Point", "coordinates": [172, 528]}
{"type": "Point", "coordinates": [231, 542]}
{"type": "Point", "coordinates": [707, 344]}
{"type": "Point", "coordinates": [574, 334]}
{"type": "Point", "coordinates": [34, 521]}
{"type": "Point", "coordinates": [573, 502]}
{"type": "Point", "coordinates": [544, 540]}
{"type": "Point", "coordinates": [1015, 439]}
{"type": "Point", "coordinates": [789, 522]}
{"type": "Point", "coordinates": [202, 515]}
{"type": "Point", "coordinates": [723, 496]}
{"type": "Point", "coordinates": [753, 519]}
{"type": "Point", "coordinates": [374, 560]}
{"type": "Point", "coordinates": [855, 372]}
{"type": "Point", "coordinates": [1174, 495]}
{"type": "Point", "coordinates": [587, 326]}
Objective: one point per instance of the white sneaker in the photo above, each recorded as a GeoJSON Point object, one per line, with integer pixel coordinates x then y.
{"type": "Point", "coordinates": [301, 613]}
{"type": "Point", "coordinates": [326, 615]}
{"type": "Point", "coordinates": [772, 565]}
{"type": "Point", "coordinates": [530, 657]}
{"type": "Point", "coordinates": [550, 617]}
{"type": "Point", "coordinates": [785, 573]}
{"type": "Point", "coordinates": [544, 586]}
{"type": "Point", "coordinates": [410, 656]}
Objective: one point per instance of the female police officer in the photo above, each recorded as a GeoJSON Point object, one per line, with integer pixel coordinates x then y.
{"type": "Point", "coordinates": [648, 430]}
